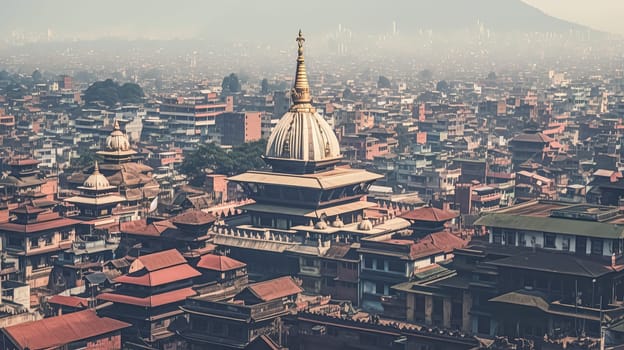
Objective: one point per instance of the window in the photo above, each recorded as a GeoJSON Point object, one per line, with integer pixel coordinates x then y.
{"type": "Point", "coordinates": [549, 240]}
{"type": "Point", "coordinates": [64, 235]}
{"type": "Point", "coordinates": [379, 288]}
{"type": "Point", "coordinates": [596, 246]}
{"type": "Point", "coordinates": [565, 243]}
{"type": "Point", "coordinates": [510, 238]}
{"type": "Point", "coordinates": [521, 240]}
{"type": "Point", "coordinates": [34, 242]}
{"type": "Point", "coordinates": [497, 238]}
{"type": "Point", "coordinates": [396, 266]}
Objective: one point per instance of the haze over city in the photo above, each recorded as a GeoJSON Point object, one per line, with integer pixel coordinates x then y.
{"type": "Point", "coordinates": [291, 175]}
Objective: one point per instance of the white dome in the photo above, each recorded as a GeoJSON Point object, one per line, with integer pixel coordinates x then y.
{"type": "Point", "coordinates": [365, 225]}
{"type": "Point", "coordinates": [338, 222]}
{"type": "Point", "coordinates": [303, 135]}
{"type": "Point", "coordinates": [96, 180]}
{"type": "Point", "coordinates": [117, 140]}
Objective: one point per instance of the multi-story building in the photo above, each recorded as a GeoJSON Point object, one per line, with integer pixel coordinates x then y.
{"type": "Point", "coordinates": [78, 330]}
{"type": "Point", "coordinates": [35, 236]}
{"type": "Point", "coordinates": [239, 127]}
{"type": "Point", "coordinates": [250, 317]}
{"type": "Point", "coordinates": [149, 297]}
{"type": "Point", "coordinates": [191, 119]}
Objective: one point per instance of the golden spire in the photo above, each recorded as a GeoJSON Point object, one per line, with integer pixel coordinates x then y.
{"type": "Point", "coordinates": [301, 91]}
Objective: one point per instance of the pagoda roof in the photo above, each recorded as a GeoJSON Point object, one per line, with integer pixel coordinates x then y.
{"type": "Point", "coordinates": [309, 212]}
{"type": "Point", "coordinates": [219, 263]}
{"type": "Point", "coordinates": [329, 179]}
{"type": "Point", "coordinates": [151, 300]}
{"type": "Point", "coordinates": [159, 277]}
{"type": "Point", "coordinates": [194, 217]}
{"type": "Point", "coordinates": [429, 214]}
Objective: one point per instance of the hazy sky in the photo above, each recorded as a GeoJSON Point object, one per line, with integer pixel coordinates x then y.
{"type": "Point", "coordinates": [599, 14]}
{"type": "Point", "coordinates": [231, 19]}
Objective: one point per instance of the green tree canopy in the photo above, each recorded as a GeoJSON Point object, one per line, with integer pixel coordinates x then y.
{"type": "Point", "coordinates": [211, 157]}
{"type": "Point", "coordinates": [383, 82]}
{"type": "Point", "coordinates": [442, 85]}
{"type": "Point", "coordinates": [111, 93]}
{"type": "Point", "coordinates": [36, 76]}
{"type": "Point", "coordinates": [347, 94]}
{"type": "Point", "coordinates": [425, 74]}
{"type": "Point", "coordinates": [265, 86]}
{"type": "Point", "coordinates": [231, 83]}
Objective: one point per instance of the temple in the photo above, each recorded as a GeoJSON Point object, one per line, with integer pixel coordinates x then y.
{"type": "Point", "coordinates": [121, 170]}
{"type": "Point", "coordinates": [307, 201]}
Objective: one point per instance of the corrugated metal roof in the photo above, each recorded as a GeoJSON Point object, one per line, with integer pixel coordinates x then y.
{"type": "Point", "coordinates": [552, 225]}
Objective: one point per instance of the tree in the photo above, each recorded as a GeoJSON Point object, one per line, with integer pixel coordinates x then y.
{"type": "Point", "coordinates": [347, 94]}
{"type": "Point", "coordinates": [230, 83]}
{"type": "Point", "coordinates": [265, 86]}
{"type": "Point", "coordinates": [383, 82]}
{"type": "Point", "coordinates": [442, 85]}
{"type": "Point", "coordinates": [425, 74]}
{"type": "Point", "coordinates": [213, 158]}
{"type": "Point", "coordinates": [86, 157]}
{"type": "Point", "coordinates": [36, 76]}
{"type": "Point", "coordinates": [110, 93]}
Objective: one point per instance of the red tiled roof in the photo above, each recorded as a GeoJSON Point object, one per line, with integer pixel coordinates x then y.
{"type": "Point", "coordinates": [141, 228]}
{"type": "Point", "coordinates": [57, 331]}
{"type": "Point", "coordinates": [38, 226]}
{"type": "Point", "coordinates": [437, 242]}
{"type": "Point", "coordinates": [194, 217]}
{"type": "Point", "coordinates": [159, 260]}
{"type": "Point", "coordinates": [274, 289]}
{"type": "Point", "coordinates": [219, 263]}
{"type": "Point", "coordinates": [160, 277]}
{"type": "Point", "coordinates": [71, 301]}
{"type": "Point", "coordinates": [429, 214]}
{"type": "Point", "coordinates": [24, 161]}
{"type": "Point", "coordinates": [149, 301]}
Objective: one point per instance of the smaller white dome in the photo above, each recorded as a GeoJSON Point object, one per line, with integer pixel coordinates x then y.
{"type": "Point", "coordinates": [96, 180]}
{"type": "Point", "coordinates": [320, 225]}
{"type": "Point", "coordinates": [365, 225]}
{"type": "Point", "coordinates": [338, 222]}
{"type": "Point", "coordinates": [117, 140]}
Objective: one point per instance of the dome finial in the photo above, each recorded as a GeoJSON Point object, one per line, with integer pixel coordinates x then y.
{"type": "Point", "coordinates": [96, 168]}
{"type": "Point", "coordinates": [301, 91]}
{"type": "Point", "coordinates": [116, 125]}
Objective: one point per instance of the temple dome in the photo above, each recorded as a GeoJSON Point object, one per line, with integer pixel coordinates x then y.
{"type": "Point", "coordinates": [302, 141]}
{"type": "Point", "coordinates": [117, 140]}
{"type": "Point", "coordinates": [96, 180]}
{"type": "Point", "coordinates": [303, 136]}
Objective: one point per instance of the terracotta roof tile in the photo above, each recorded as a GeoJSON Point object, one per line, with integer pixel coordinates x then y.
{"type": "Point", "coordinates": [160, 277]}
{"type": "Point", "coordinates": [57, 331]}
{"type": "Point", "coordinates": [71, 301]}
{"type": "Point", "coordinates": [194, 217]}
{"type": "Point", "coordinates": [157, 261]}
{"type": "Point", "coordinates": [149, 301]}
{"type": "Point", "coordinates": [274, 289]}
{"type": "Point", "coordinates": [219, 263]}
{"type": "Point", "coordinates": [429, 214]}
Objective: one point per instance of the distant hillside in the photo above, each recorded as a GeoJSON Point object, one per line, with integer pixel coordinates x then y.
{"type": "Point", "coordinates": [268, 19]}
